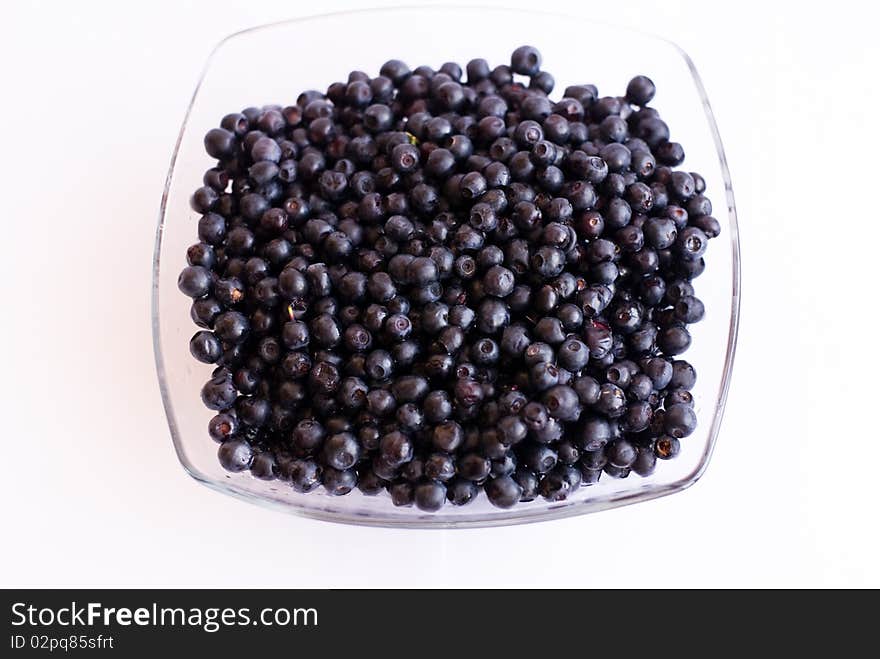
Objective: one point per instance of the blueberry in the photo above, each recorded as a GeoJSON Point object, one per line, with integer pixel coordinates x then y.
{"type": "Point", "coordinates": [263, 466]}
{"type": "Point", "coordinates": [640, 90]}
{"type": "Point", "coordinates": [439, 367]}
{"type": "Point", "coordinates": [440, 163]}
{"type": "Point", "coordinates": [461, 491]}
{"type": "Point", "coordinates": [379, 365]}
{"type": "Point", "coordinates": [397, 327]}
{"type": "Point", "coordinates": [539, 458]}
{"type": "Point", "coordinates": [666, 447]}
{"type": "Point", "coordinates": [640, 387]}
{"type": "Point", "coordinates": [430, 496]}
{"type": "Point", "coordinates": [593, 459]}
{"type": "Point", "coordinates": [683, 375]}
{"type": "Point", "coordinates": [235, 455]}
{"type": "Point", "coordinates": [599, 340]}
{"type": "Point", "coordinates": [514, 340]}
{"type": "Point", "coordinates": [341, 451]}
{"type": "Point", "coordinates": [527, 134]}
{"type": "Point", "coordinates": [612, 400]}
{"type": "Point", "coordinates": [660, 371]}
{"type": "Point", "coordinates": [595, 434]}
{"type": "Point", "coordinates": [338, 482]}
{"type": "Point", "coordinates": [646, 462]}
{"type": "Point", "coordinates": [295, 335]}
{"type": "Point", "coordinates": [325, 330]}
{"type": "Point", "coordinates": [468, 392]}
{"type": "Point", "coordinates": [439, 467]}
{"type": "Point", "coordinates": [534, 415]}
{"type": "Point", "coordinates": [548, 433]}
{"type": "Point", "coordinates": [511, 430]}
{"type": "Point", "coordinates": [253, 411]}
{"type": "Point", "coordinates": [307, 436]}
{"type": "Point", "coordinates": [526, 60]}
{"type": "Point", "coordinates": [201, 254]}
{"type": "Point", "coordinates": [223, 426]}
{"type": "Point", "coordinates": [562, 403]}
{"type": "Point", "coordinates": [528, 482]}
{"type": "Point", "coordinates": [548, 261]}
{"type": "Point", "coordinates": [473, 467]}
{"type": "Point", "coordinates": [421, 270]}
{"type": "Point", "coordinates": [618, 374]}
{"type": "Point", "coordinates": [492, 316]}
{"type": "Point", "coordinates": [543, 375]}
{"type": "Point", "coordinates": [405, 353]}
{"type": "Point", "coordinates": [503, 492]}
{"type": "Point", "coordinates": [402, 493]}
{"type": "Point", "coordinates": [472, 185]}
{"type": "Point", "coordinates": [643, 164]}
{"type": "Point", "coordinates": [616, 156]}
{"type": "Point", "coordinates": [680, 420]}
{"type": "Point", "coordinates": [520, 298]}
{"type": "Point", "coordinates": [550, 330]}
{"type": "Point", "coordinates": [395, 448]}
{"type": "Point", "coordinates": [568, 453]}
{"type": "Point", "coordinates": [220, 143]}
{"type": "Point", "coordinates": [587, 389]}
{"type": "Point", "coordinates": [674, 340]}
{"type": "Point", "coordinates": [560, 483]}
{"type": "Point", "coordinates": [627, 317]}
{"type": "Point", "coordinates": [324, 378]}
{"type": "Point", "coordinates": [636, 417]}
{"type": "Point", "coordinates": [247, 381]}
{"type": "Point", "coordinates": [477, 70]}
{"type": "Point", "coordinates": [653, 131]}
{"type": "Point", "coordinates": [617, 472]}
{"type": "Point", "coordinates": [409, 388]}
{"type": "Point", "coordinates": [621, 453]}
{"type": "Point", "coordinates": [497, 175]}
{"type": "Point", "coordinates": [195, 281]}
{"type": "Point", "coordinates": [691, 243]}
{"type": "Point", "coordinates": [511, 402]}
{"type": "Point", "coordinates": [670, 153]}
{"type": "Point", "coordinates": [370, 483]}
{"type": "Point", "coordinates": [292, 284]}
{"type": "Point", "coordinates": [708, 225]}
{"type": "Point", "coordinates": [689, 309]}
{"type": "Point", "coordinates": [205, 347]}
{"type": "Point", "coordinates": [499, 281]}
{"type": "Point", "coordinates": [485, 351]}
{"type": "Point", "coordinates": [572, 318]}
{"type": "Point", "coordinates": [546, 299]}
{"type": "Point", "coordinates": [265, 148]}
{"type": "Point", "coordinates": [219, 392]}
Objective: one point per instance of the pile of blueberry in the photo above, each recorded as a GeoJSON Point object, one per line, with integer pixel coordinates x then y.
{"type": "Point", "coordinates": [433, 283]}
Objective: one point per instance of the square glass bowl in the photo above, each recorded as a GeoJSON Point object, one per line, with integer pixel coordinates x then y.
{"type": "Point", "coordinates": [274, 63]}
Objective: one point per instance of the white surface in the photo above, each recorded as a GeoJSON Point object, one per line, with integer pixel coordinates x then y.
{"type": "Point", "coordinates": [92, 493]}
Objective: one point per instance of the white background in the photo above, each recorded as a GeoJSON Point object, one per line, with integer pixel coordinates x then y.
{"type": "Point", "coordinates": [91, 492]}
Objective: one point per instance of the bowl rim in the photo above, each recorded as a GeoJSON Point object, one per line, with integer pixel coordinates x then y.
{"type": "Point", "coordinates": [508, 517]}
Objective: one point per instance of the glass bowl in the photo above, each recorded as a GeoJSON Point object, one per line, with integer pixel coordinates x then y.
{"type": "Point", "coordinates": [274, 63]}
